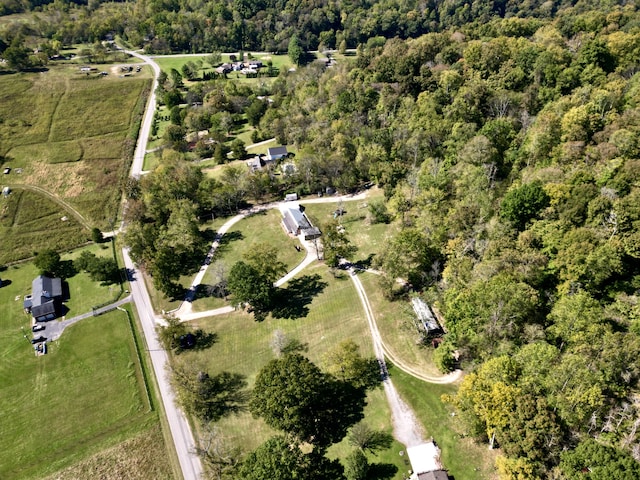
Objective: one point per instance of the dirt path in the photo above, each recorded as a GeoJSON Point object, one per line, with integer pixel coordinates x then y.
{"type": "Point", "coordinates": [185, 312]}
{"type": "Point", "coordinates": [78, 216]}
{"type": "Point", "coordinates": [406, 428]}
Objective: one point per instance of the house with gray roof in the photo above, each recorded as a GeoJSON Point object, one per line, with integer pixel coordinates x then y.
{"type": "Point", "coordinates": [276, 153]}
{"type": "Point", "coordinates": [297, 223]}
{"type": "Point", "coordinates": [46, 292]}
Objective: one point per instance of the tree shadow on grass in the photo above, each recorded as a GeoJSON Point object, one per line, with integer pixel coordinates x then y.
{"type": "Point", "coordinates": [226, 241]}
{"type": "Point", "coordinates": [204, 339]}
{"type": "Point", "coordinates": [381, 471]}
{"type": "Point", "coordinates": [292, 302]}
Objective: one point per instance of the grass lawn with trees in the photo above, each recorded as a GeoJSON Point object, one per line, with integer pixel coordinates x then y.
{"type": "Point", "coordinates": [263, 227]}
{"type": "Point", "coordinates": [243, 346]}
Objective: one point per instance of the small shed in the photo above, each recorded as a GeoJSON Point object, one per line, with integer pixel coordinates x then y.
{"type": "Point", "coordinates": [255, 163]}
{"type": "Point", "coordinates": [434, 475]}
{"type": "Point", "coordinates": [424, 458]}
{"type": "Point", "coordinates": [291, 197]}
{"type": "Point", "coordinates": [425, 315]}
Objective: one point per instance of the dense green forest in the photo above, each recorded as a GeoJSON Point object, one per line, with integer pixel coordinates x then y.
{"type": "Point", "coordinates": [162, 26]}
{"type": "Point", "coordinates": [505, 136]}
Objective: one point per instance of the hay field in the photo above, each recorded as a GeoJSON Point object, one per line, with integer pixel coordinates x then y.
{"type": "Point", "coordinates": [71, 135]}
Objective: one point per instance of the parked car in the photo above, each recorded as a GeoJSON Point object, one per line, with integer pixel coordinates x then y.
{"type": "Point", "coordinates": [38, 339]}
{"type": "Point", "coordinates": [38, 327]}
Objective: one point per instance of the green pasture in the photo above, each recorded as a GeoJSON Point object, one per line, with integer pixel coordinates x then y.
{"type": "Point", "coordinates": [73, 146]}
{"type": "Point", "coordinates": [369, 239]}
{"type": "Point", "coordinates": [85, 395]}
{"type": "Point", "coordinates": [30, 222]}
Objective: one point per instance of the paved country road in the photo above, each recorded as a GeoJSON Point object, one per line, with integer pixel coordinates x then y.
{"type": "Point", "coordinates": [181, 433]}
{"type": "Point", "coordinates": [178, 425]}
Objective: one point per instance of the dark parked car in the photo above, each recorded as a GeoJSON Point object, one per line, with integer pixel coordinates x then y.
{"type": "Point", "coordinates": [37, 327]}
{"type": "Point", "coordinates": [39, 339]}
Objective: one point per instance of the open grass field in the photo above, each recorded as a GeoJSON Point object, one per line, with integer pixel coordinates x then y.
{"type": "Point", "coordinates": [85, 395]}
{"type": "Point", "coordinates": [67, 133]}
{"type": "Point", "coordinates": [86, 406]}
{"type": "Point", "coordinates": [243, 346]}
{"type": "Point", "coordinates": [30, 222]}
{"type": "Point", "coordinates": [368, 238]}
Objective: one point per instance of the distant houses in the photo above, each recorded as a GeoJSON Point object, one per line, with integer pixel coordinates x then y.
{"type": "Point", "coordinates": [43, 303]}
{"type": "Point", "coordinates": [273, 155]}
{"type": "Point", "coordinates": [276, 153]}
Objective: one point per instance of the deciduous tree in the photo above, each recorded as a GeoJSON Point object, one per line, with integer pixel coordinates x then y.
{"type": "Point", "coordinates": [293, 395]}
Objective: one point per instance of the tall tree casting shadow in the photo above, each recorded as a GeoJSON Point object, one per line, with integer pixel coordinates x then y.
{"type": "Point", "coordinates": [293, 301]}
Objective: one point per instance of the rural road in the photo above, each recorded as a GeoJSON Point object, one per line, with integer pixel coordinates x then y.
{"type": "Point", "coordinates": [145, 128]}
{"type": "Point", "coordinates": [181, 433]}
{"type": "Point", "coordinates": [406, 428]}
{"type": "Point", "coordinates": [178, 425]}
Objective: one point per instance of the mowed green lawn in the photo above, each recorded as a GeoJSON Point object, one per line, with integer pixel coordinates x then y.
{"type": "Point", "coordinates": [462, 456]}
{"type": "Point", "coordinates": [86, 395]}
{"type": "Point", "coordinates": [243, 346]}
{"type": "Point", "coordinates": [368, 238]}
{"type": "Point", "coordinates": [67, 133]}
{"type": "Point", "coordinates": [264, 227]}
{"type": "Point", "coordinates": [395, 321]}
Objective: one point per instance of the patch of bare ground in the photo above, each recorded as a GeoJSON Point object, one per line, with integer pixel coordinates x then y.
{"type": "Point", "coordinates": [142, 457]}
{"type": "Point", "coordinates": [62, 179]}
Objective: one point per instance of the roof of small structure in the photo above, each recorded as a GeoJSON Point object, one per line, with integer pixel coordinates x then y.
{"type": "Point", "coordinates": [434, 475]}
{"type": "Point", "coordinates": [424, 458]}
{"type": "Point", "coordinates": [274, 151]}
{"type": "Point", "coordinates": [424, 314]}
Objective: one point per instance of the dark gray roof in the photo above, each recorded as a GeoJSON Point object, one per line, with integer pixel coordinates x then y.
{"type": "Point", "coordinates": [45, 288]}
{"type": "Point", "coordinates": [46, 309]}
{"type": "Point", "coordinates": [311, 233]}
{"type": "Point", "coordinates": [434, 475]}
{"type": "Point", "coordinates": [275, 151]}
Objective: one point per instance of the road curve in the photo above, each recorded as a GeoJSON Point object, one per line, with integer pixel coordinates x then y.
{"type": "Point", "coordinates": [379, 345]}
